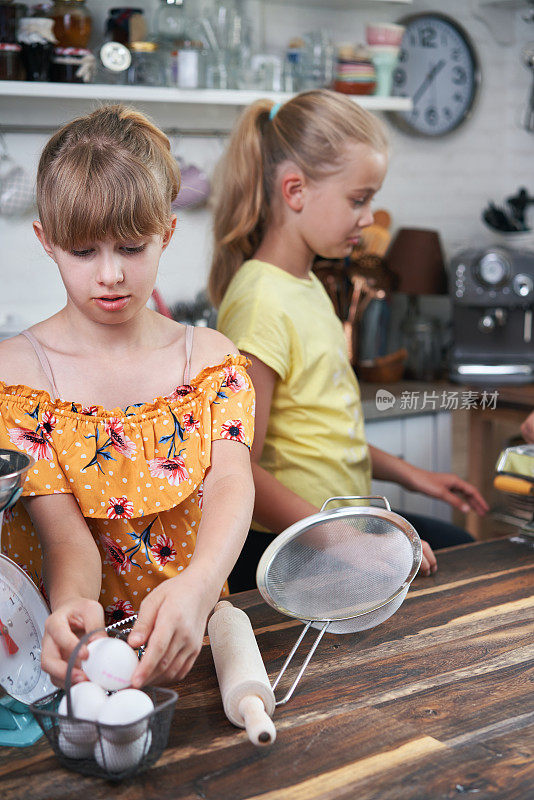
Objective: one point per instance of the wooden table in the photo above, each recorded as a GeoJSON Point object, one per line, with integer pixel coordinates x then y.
{"type": "Point", "coordinates": [435, 703]}
{"type": "Point", "coordinates": [514, 404]}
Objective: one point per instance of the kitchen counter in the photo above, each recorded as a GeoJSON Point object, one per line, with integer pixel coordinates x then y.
{"type": "Point", "coordinates": [434, 703]}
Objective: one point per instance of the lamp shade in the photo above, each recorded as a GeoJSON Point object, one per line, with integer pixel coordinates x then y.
{"type": "Point", "coordinates": [415, 255]}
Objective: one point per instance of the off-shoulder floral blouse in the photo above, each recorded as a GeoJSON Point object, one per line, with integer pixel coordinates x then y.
{"type": "Point", "coordinates": [136, 473]}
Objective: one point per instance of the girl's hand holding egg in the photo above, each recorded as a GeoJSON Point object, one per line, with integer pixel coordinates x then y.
{"type": "Point", "coordinates": [63, 629]}
{"type": "Point", "coordinates": [172, 619]}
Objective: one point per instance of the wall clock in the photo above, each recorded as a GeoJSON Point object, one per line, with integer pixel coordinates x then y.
{"type": "Point", "coordinates": [438, 68]}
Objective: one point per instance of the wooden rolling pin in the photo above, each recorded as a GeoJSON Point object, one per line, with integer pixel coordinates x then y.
{"type": "Point", "coordinates": [246, 693]}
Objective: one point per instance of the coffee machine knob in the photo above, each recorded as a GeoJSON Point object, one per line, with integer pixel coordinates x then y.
{"type": "Point", "coordinates": [486, 324]}
{"type": "Point", "coordinates": [522, 285]}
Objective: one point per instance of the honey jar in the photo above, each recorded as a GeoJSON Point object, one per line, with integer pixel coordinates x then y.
{"type": "Point", "coordinates": [72, 23]}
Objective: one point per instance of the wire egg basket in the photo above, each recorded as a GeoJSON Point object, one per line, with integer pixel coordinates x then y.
{"type": "Point", "coordinates": [113, 752]}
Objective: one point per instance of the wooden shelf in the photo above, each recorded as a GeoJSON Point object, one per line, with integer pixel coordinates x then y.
{"type": "Point", "coordinates": [28, 104]}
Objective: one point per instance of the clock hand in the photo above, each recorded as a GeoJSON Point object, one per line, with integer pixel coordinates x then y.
{"type": "Point", "coordinates": [12, 648]}
{"type": "Point", "coordinates": [428, 80]}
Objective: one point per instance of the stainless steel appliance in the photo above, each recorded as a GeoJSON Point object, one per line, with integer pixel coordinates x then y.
{"type": "Point", "coordinates": [492, 292]}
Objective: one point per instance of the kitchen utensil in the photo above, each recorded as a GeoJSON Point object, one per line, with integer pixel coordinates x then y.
{"type": "Point", "coordinates": [117, 762]}
{"type": "Point", "coordinates": [384, 369]}
{"type": "Point", "coordinates": [528, 60]}
{"type": "Point", "coordinates": [514, 477]}
{"type": "Point", "coordinates": [375, 240]}
{"type": "Point", "coordinates": [518, 204]}
{"type": "Point", "coordinates": [343, 570]}
{"type": "Point", "coordinates": [246, 693]}
{"type": "Point", "coordinates": [499, 219]}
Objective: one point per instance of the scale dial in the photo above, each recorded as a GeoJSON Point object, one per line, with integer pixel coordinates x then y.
{"type": "Point", "coordinates": [23, 614]}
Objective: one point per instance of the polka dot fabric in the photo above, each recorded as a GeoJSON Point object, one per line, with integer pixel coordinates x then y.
{"type": "Point", "coordinates": [136, 473]}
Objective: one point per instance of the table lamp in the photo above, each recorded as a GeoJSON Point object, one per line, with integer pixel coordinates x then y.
{"type": "Point", "coordinates": [416, 257]}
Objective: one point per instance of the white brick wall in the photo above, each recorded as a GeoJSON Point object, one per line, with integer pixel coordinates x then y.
{"type": "Point", "coordinates": [441, 184]}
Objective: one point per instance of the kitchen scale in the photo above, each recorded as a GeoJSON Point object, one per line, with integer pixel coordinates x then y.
{"type": "Point", "coordinates": [23, 614]}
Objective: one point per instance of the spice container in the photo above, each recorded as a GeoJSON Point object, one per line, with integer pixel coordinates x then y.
{"type": "Point", "coordinates": [72, 23]}
{"type": "Point", "coordinates": [10, 14]}
{"type": "Point", "coordinates": [126, 25]}
{"type": "Point", "coordinates": [11, 68]}
{"type": "Point", "coordinates": [146, 68]}
{"type": "Point", "coordinates": [72, 65]}
{"type": "Point", "coordinates": [188, 65]}
{"type": "Point", "coordinates": [355, 73]}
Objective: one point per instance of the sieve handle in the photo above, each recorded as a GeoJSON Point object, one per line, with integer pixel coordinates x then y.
{"type": "Point", "coordinates": [307, 660]}
{"type": "Point", "coordinates": [358, 497]}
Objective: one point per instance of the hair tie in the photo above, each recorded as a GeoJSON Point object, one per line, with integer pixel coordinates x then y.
{"type": "Point", "coordinates": [274, 110]}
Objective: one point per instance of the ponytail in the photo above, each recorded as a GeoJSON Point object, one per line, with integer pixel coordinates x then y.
{"type": "Point", "coordinates": [239, 205]}
{"type": "Point", "coordinates": [310, 130]}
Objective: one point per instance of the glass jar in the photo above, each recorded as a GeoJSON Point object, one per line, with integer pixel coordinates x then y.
{"type": "Point", "coordinates": [188, 65]}
{"type": "Point", "coordinates": [72, 23]}
{"type": "Point", "coordinates": [126, 25]}
{"type": "Point", "coordinates": [72, 65]}
{"type": "Point", "coordinates": [170, 23]}
{"type": "Point", "coordinates": [36, 36]}
{"type": "Point", "coordinates": [10, 13]}
{"type": "Point", "coordinates": [146, 68]}
{"type": "Point", "coordinates": [11, 68]}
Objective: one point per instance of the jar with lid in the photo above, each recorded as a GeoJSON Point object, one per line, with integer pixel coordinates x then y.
{"type": "Point", "coordinates": [72, 23]}
{"type": "Point", "coordinates": [146, 68]}
{"type": "Point", "coordinates": [170, 23]}
{"type": "Point", "coordinates": [126, 25]}
{"type": "Point", "coordinates": [37, 39]}
{"type": "Point", "coordinates": [10, 14]}
{"type": "Point", "coordinates": [11, 68]}
{"type": "Point", "coordinates": [72, 65]}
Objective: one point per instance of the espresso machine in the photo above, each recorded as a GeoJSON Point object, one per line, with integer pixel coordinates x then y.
{"type": "Point", "coordinates": [492, 292]}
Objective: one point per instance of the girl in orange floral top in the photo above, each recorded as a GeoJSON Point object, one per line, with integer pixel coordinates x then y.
{"type": "Point", "coordinates": [141, 494]}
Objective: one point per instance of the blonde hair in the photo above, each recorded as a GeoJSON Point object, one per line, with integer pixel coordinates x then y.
{"type": "Point", "coordinates": [310, 130]}
{"type": "Point", "coordinates": [107, 174]}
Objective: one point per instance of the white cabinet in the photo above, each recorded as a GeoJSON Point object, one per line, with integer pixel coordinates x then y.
{"type": "Point", "coordinates": [423, 440]}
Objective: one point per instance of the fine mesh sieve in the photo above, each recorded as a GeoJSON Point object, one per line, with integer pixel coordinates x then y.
{"type": "Point", "coordinates": [343, 570]}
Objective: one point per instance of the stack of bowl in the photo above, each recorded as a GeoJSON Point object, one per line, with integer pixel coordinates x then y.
{"type": "Point", "coordinates": [384, 41]}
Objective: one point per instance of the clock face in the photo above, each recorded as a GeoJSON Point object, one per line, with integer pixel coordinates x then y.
{"type": "Point", "coordinates": [438, 69]}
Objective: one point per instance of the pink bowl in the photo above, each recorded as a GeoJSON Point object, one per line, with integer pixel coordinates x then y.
{"type": "Point", "coordinates": [384, 33]}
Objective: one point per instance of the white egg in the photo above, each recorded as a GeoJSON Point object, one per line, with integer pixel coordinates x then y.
{"type": "Point", "coordinates": [117, 756]}
{"type": "Point", "coordinates": [76, 749]}
{"type": "Point", "coordinates": [127, 712]}
{"type": "Point", "coordinates": [87, 700]}
{"type": "Point", "coordinates": [111, 663]}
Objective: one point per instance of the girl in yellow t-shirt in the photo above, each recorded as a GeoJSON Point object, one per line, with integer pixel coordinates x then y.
{"type": "Point", "coordinates": [298, 180]}
{"type": "Point", "coordinates": [141, 493]}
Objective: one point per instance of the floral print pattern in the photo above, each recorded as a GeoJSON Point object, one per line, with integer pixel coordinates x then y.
{"type": "Point", "coordinates": [137, 473]}
{"type": "Point", "coordinates": [233, 429]}
{"type": "Point", "coordinates": [120, 508]}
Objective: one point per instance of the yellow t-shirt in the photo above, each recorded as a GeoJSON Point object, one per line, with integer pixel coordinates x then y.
{"type": "Point", "coordinates": [315, 442]}
{"type": "Point", "coordinates": [136, 473]}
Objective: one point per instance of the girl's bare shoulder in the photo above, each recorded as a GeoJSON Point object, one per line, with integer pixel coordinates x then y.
{"type": "Point", "coordinates": [209, 348]}
{"type": "Point", "coordinates": [19, 364]}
